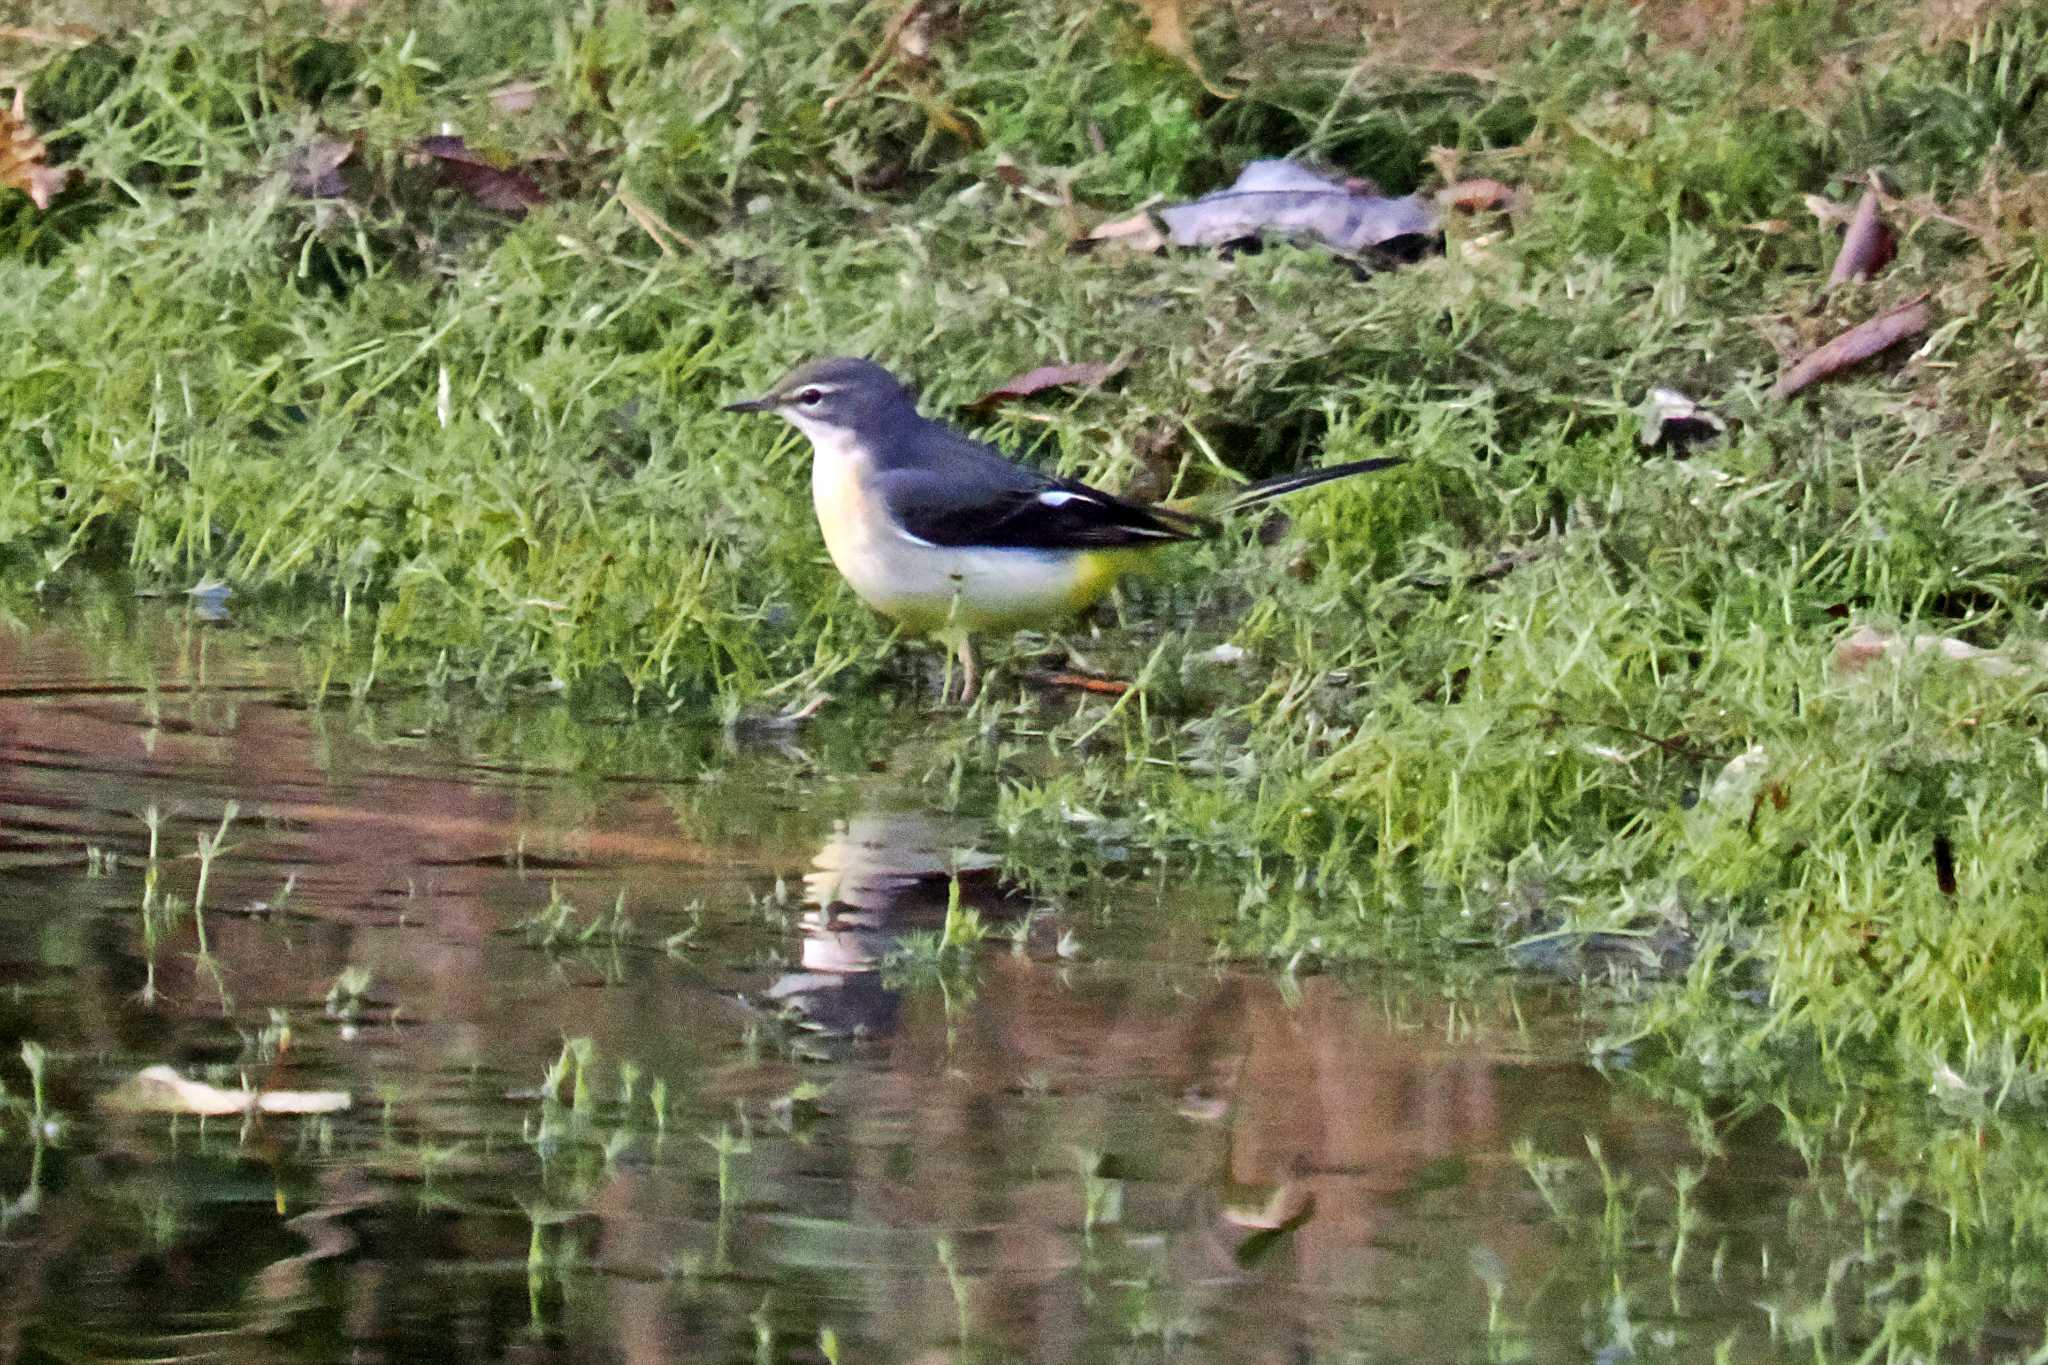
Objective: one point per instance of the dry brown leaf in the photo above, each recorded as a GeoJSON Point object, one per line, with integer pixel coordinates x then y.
{"type": "Point", "coordinates": [1867, 644]}
{"type": "Point", "coordinates": [516, 97]}
{"type": "Point", "coordinates": [1671, 420]}
{"type": "Point", "coordinates": [1859, 343]}
{"type": "Point", "coordinates": [314, 170]}
{"type": "Point", "coordinates": [1868, 245]}
{"type": "Point", "coordinates": [1088, 373]}
{"type": "Point", "coordinates": [1278, 197]}
{"type": "Point", "coordinates": [24, 161]}
{"type": "Point", "coordinates": [505, 190]}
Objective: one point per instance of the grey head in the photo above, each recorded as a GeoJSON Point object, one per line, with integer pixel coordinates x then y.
{"type": "Point", "coordinates": [844, 395]}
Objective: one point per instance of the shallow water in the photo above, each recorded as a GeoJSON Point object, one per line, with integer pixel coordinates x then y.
{"type": "Point", "coordinates": [763, 1137]}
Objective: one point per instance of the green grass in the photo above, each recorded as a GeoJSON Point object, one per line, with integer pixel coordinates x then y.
{"type": "Point", "coordinates": [1486, 697]}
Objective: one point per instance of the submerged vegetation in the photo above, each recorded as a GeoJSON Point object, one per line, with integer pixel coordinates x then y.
{"type": "Point", "coordinates": [413, 329]}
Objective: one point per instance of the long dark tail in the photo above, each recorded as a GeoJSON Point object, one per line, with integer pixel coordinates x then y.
{"type": "Point", "coordinates": [1265, 490]}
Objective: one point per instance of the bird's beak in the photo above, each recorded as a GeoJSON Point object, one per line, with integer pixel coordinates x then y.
{"type": "Point", "coordinates": [752, 405]}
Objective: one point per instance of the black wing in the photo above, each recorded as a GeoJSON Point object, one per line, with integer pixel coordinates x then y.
{"type": "Point", "coordinates": [1025, 512]}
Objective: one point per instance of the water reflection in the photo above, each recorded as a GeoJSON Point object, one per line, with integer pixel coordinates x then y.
{"type": "Point", "coordinates": [617, 1099]}
{"type": "Point", "coordinates": [883, 876]}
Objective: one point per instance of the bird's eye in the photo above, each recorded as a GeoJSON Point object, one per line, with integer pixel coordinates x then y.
{"type": "Point", "coordinates": [810, 398]}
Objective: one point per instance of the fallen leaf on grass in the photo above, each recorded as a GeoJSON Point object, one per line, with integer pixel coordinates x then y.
{"type": "Point", "coordinates": [1859, 343]}
{"type": "Point", "coordinates": [516, 97]}
{"type": "Point", "coordinates": [1868, 245]}
{"type": "Point", "coordinates": [161, 1090]}
{"type": "Point", "coordinates": [314, 169]}
{"type": "Point", "coordinates": [1867, 644]}
{"type": "Point", "coordinates": [1673, 421]}
{"type": "Point", "coordinates": [1289, 199]}
{"type": "Point", "coordinates": [1087, 373]}
{"type": "Point", "coordinates": [1736, 785]}
{"type": "Point", "coordinates": [24, 160]}
{"type": "Point", "coordinates": [500, 189]}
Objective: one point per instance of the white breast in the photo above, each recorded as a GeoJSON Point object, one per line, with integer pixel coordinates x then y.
{"type": "Point", "coordinates": [921, 585]}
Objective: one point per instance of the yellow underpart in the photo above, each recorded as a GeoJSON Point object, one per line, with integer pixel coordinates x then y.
{"type": "Point", "coordinates": [1095, 573]}
{"type": "Point", "coordinates": [926, 587]}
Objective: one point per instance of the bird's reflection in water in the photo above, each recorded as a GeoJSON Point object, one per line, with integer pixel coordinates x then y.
{"type": "Point", "coordinates": [882, 875]}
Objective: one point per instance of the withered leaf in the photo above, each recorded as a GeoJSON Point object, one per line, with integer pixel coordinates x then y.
{"type": "Point", "coordinates": [1868, 245]}
{"type": "Point", "coordinates": [1289, 199]}
{"type": "Point", "coordinates": [24, 160]}
{"type": "Point", "coordinates": [314, 169]}
{"type": "Point", "coordinates": [1672, 420]}
{"type": "Point", "coordinates": [506, 190]}
{"type": "Point", "coordinates": [1083, 372]}
{"type": "Point", "coordinates": [516, 97]}
{"type": "Point", "coordinates": [1867, 644]}
{"type": "Point", "coordinates": [1859, 343]}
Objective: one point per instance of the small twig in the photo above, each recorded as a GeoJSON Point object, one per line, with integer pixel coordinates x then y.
{"type": "Point", "coordinates": [1080, 682]}
{"type": "Point", "coordinates": [883, 51]}
{"type": "Point", "coordinates": [650, 222]}
{"type": "Point", "coordinates": [64, 35]}
{"type": "Point", "coordinates": [1672, 745]}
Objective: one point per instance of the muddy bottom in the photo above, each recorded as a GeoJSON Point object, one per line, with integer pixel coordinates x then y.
{"type": "Point", "coordinates": [652, 1051]}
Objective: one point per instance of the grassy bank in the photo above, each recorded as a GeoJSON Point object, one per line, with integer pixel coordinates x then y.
{"type": "Point", "coordinates": [1540, 690]}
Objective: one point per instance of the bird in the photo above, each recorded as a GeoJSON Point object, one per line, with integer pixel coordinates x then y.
{"type": "Point", "coordinates": [947, 536]}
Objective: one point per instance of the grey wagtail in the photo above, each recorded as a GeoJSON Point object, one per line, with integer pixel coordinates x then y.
{"type": "Point", "coordinates": [941, 533]}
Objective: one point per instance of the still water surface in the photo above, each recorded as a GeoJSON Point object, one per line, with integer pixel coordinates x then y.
{"type": "Point", "coordinates": [639, 1071]}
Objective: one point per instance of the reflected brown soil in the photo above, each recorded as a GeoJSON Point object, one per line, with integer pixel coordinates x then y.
{"type": "Point", "coordinates": [775, 1113]}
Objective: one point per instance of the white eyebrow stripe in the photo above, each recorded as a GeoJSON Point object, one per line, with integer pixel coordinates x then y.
{"type": "Point", "coordinates": [1059, 497]}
